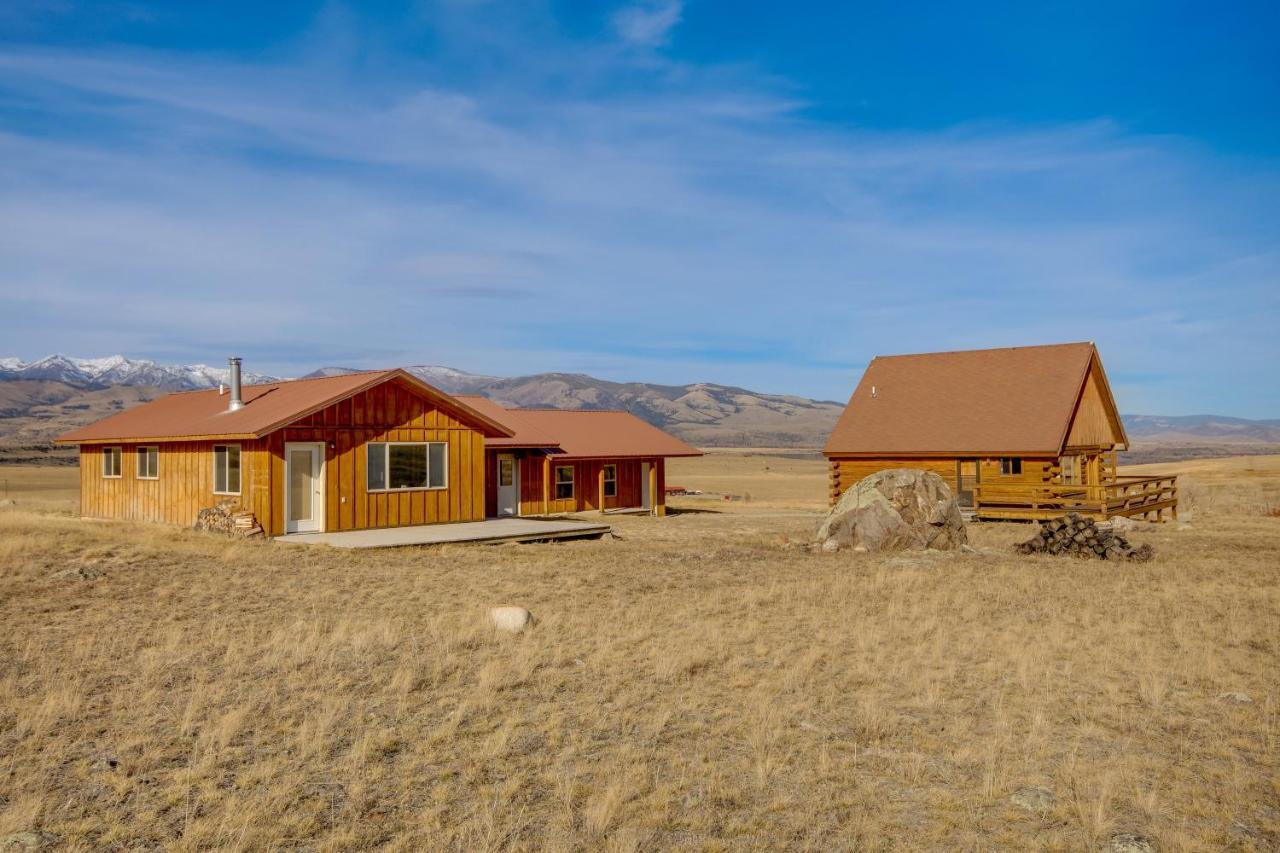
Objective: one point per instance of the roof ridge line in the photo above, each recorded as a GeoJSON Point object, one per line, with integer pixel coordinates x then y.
{"type": "Point", "coordinates": [283, 381]}
{"type": "Point", "coordinates": [985, 349]}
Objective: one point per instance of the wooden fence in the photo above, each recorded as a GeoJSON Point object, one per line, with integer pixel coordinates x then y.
{"type": "Point", "coordinates": [1125, 496]}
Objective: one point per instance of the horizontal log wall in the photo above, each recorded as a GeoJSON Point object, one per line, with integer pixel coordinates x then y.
{"type": "Point", "coordinates": [844, 472]}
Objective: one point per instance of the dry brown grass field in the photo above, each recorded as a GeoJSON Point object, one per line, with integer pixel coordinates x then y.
{"type": "Point", "coordinates": [695, 685]}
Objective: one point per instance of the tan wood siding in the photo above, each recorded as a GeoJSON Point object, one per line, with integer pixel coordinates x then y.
{"type": "Point", "coordinates": [846, 472]}
{"type": "Point", "coordinates": [388, 412]}
{"type": "Point", "coordinates": [1095, 423]}
{"type": "Point", "coordinates": [1034, 470]}
{"type": "Point", "coordinates": [184, 485]}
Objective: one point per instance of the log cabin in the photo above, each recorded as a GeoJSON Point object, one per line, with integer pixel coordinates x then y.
{"type": "Point", "coordinates": [575, 460]}
{"type": "Point", "coordinates": [1017, 433]}
{"type": "Point", "coordinates": [358, 451]}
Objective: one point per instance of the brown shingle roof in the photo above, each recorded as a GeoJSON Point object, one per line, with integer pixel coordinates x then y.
{"type": "Point", "coordinates": [199, 414]}
{"type": "Point", "coordinates": [1011, 401]}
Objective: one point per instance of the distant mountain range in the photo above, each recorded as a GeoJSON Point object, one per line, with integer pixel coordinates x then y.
{"type": "Point", "coordinates": [41, 399]}
{"type": "Point", "coordinates": [118, 370]}
{"type": "Point", "coordinates": [1202, 427]}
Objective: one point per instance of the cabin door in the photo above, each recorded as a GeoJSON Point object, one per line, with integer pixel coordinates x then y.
{"type": "Point", "coordinates": [508, 485]}
{"type": "Point", "coordinates": [304, 488]}
{"type": "Point", "coordinates": [966, 480]}
{"type": "Point", "coordinates": [646, 500]}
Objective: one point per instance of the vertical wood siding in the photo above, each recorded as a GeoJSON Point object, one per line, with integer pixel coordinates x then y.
{"type": "Point", "coordinates": [184, 487]}
{"type": "Point", "coordinates": [389, 412]}
{"type": "Point", "coordinates": [586, 483]}
{"type": "Point", "coordinates": [1094, 422]}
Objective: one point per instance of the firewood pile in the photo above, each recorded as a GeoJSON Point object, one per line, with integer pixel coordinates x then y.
{"type": "Point", "coordinates": [1082, 537]}
{"type": "Point", "coordinates": [227, 518]}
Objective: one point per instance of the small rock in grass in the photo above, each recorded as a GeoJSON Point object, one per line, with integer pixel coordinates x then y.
{"type": "Point", "coordinates": [1037, 800]}
{"type": "Point", "coordinates": [1235, 698]}
{"type": "Point", "coordinates": [8, 502]}
{"type": "Point", "coordinates": [1129, 842]}
{"type": "Point", "coordinates": [82, 573]}
{"type": "Point", "coordinates": [513, 620]}
{"type": "Point", "coordinates": [830, 546]}
{"type": "Point", "coordinates": [27, 840]}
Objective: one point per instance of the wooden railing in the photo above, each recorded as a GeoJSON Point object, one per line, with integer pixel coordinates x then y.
{"type": "Point", "coordinates": [1127, 496]}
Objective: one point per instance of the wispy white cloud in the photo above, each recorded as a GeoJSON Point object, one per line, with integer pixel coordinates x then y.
{"type": "Point", "coordinates": [510, 223]}
{"type": "Point", "coordinates": [648, 24]}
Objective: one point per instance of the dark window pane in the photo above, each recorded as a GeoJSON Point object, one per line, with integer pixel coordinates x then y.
{"type": "Point", "coordinates": [564, 482]}
{"type": "Point", "coordinates": [377, 467]}
{"type": "Point", "coordinates": [439, 468]}
{"type": "Point", "coordinates": [220, 469]}
{"type": "Point", "coordinates": [233, 469]}
{"type": "Point", "coordinates": [407, 466]}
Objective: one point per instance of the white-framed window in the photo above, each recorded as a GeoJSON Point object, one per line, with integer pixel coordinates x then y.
{"type": "Point", "coordinates": [149, 462]}
{"type": "Point", "coordinates": [111, 461]}
{"type": "Point", "coordinates": [564, 482]}
{"type": "Point", "coordinates": [611, 481]}
{"type": "Point", "coordinates": [1010, 466]}
{"type": "Point", "coordinates": [398, 466]}
{"type": "Point", "coordinates": [226, 469]}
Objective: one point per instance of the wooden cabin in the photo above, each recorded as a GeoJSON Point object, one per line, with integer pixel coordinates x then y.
{"type": "Point", "coordinates": [579, 460]}
{"type": "Point", "coordinates": [1020, 432]}
{"type": "Point", "coordinates": [358, 451]}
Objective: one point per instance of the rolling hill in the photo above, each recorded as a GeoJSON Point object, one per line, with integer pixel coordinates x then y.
{"type": "Point", "coordinates": [42, 399]}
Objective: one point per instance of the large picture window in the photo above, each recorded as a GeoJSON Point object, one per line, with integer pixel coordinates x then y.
{"type": "Point", "coordinates": [611, 481]}
{"type": "Point", "coordinates": [149, 463]}
{"type": "Point", "coordinates": [226, 469]}
{"type": "Point", "coordinates": [111, 461]}
{"type": "Point", "coordinates": [564, 482]}
{"type": "Point", "coordinates": [399, 466]}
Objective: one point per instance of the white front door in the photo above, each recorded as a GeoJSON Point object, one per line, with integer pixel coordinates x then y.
{"type": "Point", "coordinates": [508, 485]}
{"type": "Point", "coordinates": [645, 498]}
{"type": "Point", "coordinates": [304, 488]}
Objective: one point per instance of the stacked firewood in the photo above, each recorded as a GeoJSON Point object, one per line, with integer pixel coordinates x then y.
{"type": "Point", "coordinates": [1082, 537]}
{"type": "Point", "coordinates": [226, 517]}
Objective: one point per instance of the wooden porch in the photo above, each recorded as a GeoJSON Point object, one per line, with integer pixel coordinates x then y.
{"type": "Point", "coordinates": [1147, 497]}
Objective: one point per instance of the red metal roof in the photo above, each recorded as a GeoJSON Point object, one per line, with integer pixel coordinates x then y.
{"type": "Point", "coordinates": [525, 433]}
{"type": "Point", "coordinates": [591, 433]}
{"type": "Point", "coordinates": [197, 414]}
{"type": "Point", "coordinates": [582, 433]}
{"type": "Point", "coordinates": [1011, 401]}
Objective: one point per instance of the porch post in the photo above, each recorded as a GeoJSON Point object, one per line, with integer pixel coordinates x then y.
{"type": "Point", "coordinates": [546, 485]}
{"type": "Point", "coordinates": [600, 488]}
{"type": "Point", "coordinates": [656, 497]}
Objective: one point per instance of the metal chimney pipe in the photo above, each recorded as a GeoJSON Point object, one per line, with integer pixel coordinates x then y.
{"type": "Point", "coordinates": [236, 402]}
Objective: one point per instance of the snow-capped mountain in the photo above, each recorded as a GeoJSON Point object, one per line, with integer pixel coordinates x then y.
{"type": "Point", "coordinates": [448, 379]}
{"type": "Point", "coordinates": [118, 370]}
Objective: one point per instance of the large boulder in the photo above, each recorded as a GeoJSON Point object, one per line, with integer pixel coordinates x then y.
{"type": "Point", "coordinates": [899, 509]}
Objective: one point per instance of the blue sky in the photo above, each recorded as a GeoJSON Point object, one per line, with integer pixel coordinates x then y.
{"type": "Point", "coordinates": [746, 193]}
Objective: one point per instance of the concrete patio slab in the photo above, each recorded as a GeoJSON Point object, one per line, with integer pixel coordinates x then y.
{"type": "Point", "coordinates": [490, 531]}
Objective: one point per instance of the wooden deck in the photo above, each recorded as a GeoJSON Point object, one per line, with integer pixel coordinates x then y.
{"type": "Point", "coordinates": [488, 532]}
{"type": "Point", "coordinates": [1148, 497]}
